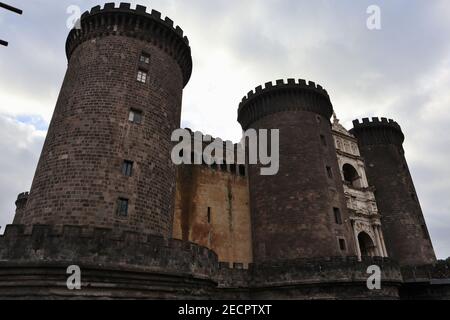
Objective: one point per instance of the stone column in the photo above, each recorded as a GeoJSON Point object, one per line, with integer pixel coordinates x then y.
{"type": "Point", "coordinates": [378, 239]}
{"type": "Point", "coordinates": [380, 232]}
{"type": "Point", "coordinates": [358, 249]}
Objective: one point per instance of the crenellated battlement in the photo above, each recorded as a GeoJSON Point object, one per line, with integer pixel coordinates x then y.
{"type": "Point", "coordinates": [334, 269]}
{"type": "Point", "coordinates": [319, 263]}
{"type": "Point", "coordinates": [439, 270]}
{"type": "Point", "coordinates": [68, 231]}
{"type": "Point", "coordinates": [85, 245]}
{"type": "Point", "coordinates": [377, 131]}
{"type": "Point", "coordinates": [293, 95]}
{"type": "Point", "coordinates": [150, 263]}
{"type": "Point", "coordinates": [23, 195]}
{"type": "Point", "coordinates": [126, 7]}
{"type": "Point", "coordinates": [92, 246]}
{"type": "Point", "coordinates": [138, 23]}
{"type": "Point", "coordinates": [22, 198]}
{"type": "Point", "coordinates": [283, 84]}
{"type": "Point", "coordinates": [326, 261]}
{"type": "Point", "coordinates": [234, 168]}
{"type": "Point", "coordinates": [21, 203]}
{"type": "Point", "coordinates": [376, 122]}
{"type": "Point", "coordinates": [306, 272]}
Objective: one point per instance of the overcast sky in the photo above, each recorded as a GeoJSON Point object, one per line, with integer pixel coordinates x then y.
{"type": "Point", "coordinates": [401, 71]}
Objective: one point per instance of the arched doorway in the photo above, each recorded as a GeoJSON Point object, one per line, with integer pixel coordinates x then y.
{"type": "Point", "coordinates": [351, 176]}
{"type": "Point", "coordinates": [366, 245]}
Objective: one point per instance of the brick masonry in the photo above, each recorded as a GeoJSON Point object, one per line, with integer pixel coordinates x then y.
{"type": "Point", "coordinates": [79, 180]}
{"type": "Point", "coordinates": [222, 194]}
{"type": "Point", "coordinates": [282, 226]}
{"type": "Point", "coordinates": [294, 209]}
{"type": "Point", "coordinates": [403, 223]}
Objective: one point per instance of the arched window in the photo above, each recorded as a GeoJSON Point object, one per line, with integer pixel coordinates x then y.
{"type": "Point", "coordinates": [366, 245]}
{"type": "Point", "coordinates": [351, 176]}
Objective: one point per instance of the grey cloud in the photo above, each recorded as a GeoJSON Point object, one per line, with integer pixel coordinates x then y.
{"type": "Point", "coordinates": [21, 146]}
{"type": "Point", "coordinates": [238, 45]}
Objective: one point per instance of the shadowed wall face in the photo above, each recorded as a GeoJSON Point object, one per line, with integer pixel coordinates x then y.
{"type": "Point", "coordinates": [120, 101]}
{"type": "Point", "coordinates": [406, 234]}
{"type": "Point", "coordinates": [212, 210]}
{"type": "Point", "coordinates": [293, 211]}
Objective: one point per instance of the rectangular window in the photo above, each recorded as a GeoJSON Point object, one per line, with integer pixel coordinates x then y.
{"type": "Point", "coordinates": [342, 245]}
{"type": "Point", "coordinates": [135, 116]}
{"type": "Point", "coordinates": [330, 172]}
{"type": "Point", "coordinates": [242, 170]}
{"type": "Point", "coordinates": [209, 215]}
{"type": "Point", "coordinates": [145, 58]}
{"type": "Point", "coordinates": [122, 207]}
{"type": "Point", "coordinates": [127, 168]}
{"type": "Point", "coordinates": [323, 140]}
{"type": "Point", "coordinates": [337, 215]}
{"type": "Point", "coordinates": [142, 76]}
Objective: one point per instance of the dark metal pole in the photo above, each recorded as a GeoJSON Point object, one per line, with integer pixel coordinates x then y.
{"type": "Point", "coordinates": [10, 8]}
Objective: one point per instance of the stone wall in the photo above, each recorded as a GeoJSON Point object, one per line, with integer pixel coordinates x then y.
{"type": "Point", "coordinates": [113, 264]}
{"type": "Point", "coordinates": [223, 195]}
{"type": "Point", "coordinates": [329, 278]}
{"type": "Point", "coordinates": [430, 282]}
{"type": "Point", "coordinates": [324, 278]}
{"type": "Point", "coordinates": [127, 265]}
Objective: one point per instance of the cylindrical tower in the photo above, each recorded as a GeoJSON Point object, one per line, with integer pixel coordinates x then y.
{"type": "Point", "coordinates": [106, 160]}
{"type": "Point", "coordinates": [406, 235]}
{"type": "Point", "coordinates": [301, 211]}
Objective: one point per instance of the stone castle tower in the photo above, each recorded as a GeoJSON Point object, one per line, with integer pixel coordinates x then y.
{"type": "Point", "coordinates": [295, 206]}
{"type": "Point", "coordinates": [403, 222]}
{"type": "Point", "coordinates": [106, 196]}
{"type": "Point", "coordinates": [138, 74]}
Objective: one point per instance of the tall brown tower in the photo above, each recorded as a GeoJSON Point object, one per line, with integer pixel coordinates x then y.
{"type": "Point", "coordinates": [301, 211]}
{"type": "Point", "coordinates": [403, 224]}
{"type": "Point", "coordinates": [106, 160]}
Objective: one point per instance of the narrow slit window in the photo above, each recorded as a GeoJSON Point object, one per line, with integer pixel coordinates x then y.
{"type": "Point", "coordinates": [209, 215]}
{"type": "Point", "coordinates": [122, 207]}
{"type": "Point", "coordinates": [342, 244]}
{"type": "Point", "coordinates": [142, 76]}
{"type": "Point", "coordinates": [127, 168]}
{"type": "Point", "coordinates": [330, 172]}
{"type": "Point", "coordinates": [135, 116]}
{"type": "Point", "coordinates": [323, 140]}
{"type": "Point", "coordinates": [337, 215]}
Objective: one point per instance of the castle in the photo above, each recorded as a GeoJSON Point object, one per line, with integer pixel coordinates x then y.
{"type": "Point", "coordinates": [107, 197]}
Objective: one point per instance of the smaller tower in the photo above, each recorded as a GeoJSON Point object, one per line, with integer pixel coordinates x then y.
{"type": "Point", "coordinates": [21, 203]}
{"type": "Point", "coordinates": [403, 224]}
{"type": "Point", "coordinates": [301, 211]}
